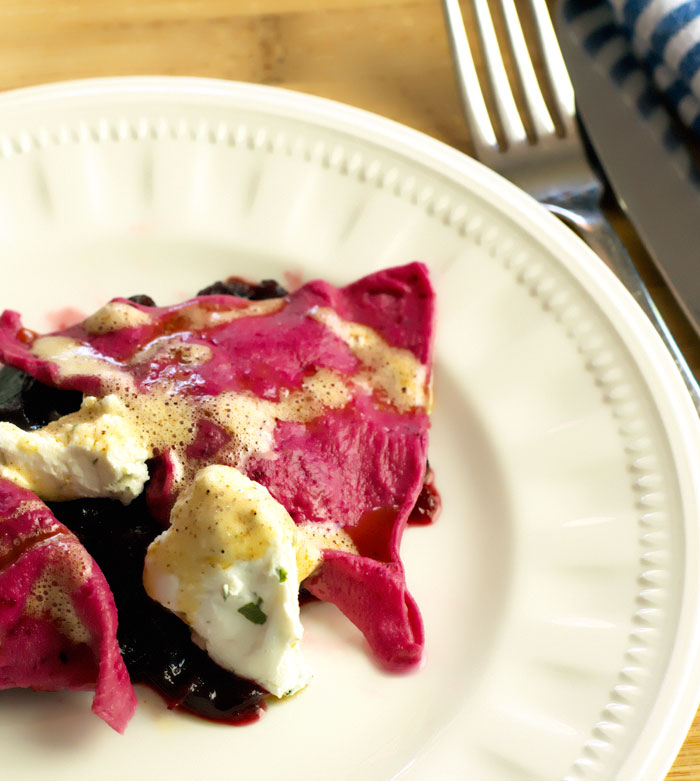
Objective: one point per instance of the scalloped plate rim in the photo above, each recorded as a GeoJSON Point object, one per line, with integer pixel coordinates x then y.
{"type": "Point", "coordinates": [661, 737]}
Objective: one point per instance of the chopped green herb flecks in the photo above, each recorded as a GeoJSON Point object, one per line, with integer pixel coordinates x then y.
{"type": "Point", "coordinates": [226, 590]}
{"type": "Point", "coordinates": [253, 612]}
{"type": "Point", "coordinates": [282, 574]}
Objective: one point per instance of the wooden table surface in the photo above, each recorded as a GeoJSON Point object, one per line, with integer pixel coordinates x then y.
{"type": "Point", "coordinates": [387, 56]}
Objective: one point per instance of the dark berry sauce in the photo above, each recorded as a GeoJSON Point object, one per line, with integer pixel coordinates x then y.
{"type": "Point", "coordinates": [428, 505]}
{"type": "Point", "coordinates": [235, 286]}
{"type": "Point", "coordinates": [29, 404]}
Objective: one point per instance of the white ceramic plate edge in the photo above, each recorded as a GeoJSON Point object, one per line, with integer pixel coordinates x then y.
{"type": "Point", "coordinates": [680, 693]}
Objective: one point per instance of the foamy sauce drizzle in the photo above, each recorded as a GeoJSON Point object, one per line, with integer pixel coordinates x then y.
{"type": "Point", "coordinates": [114, 316]}
{"type": "Point", "coordinates": [395, 371]}
{"type": "Point", "coordinates": [51, 591]}
{"type": "Point", "coordinates": [168, 418]}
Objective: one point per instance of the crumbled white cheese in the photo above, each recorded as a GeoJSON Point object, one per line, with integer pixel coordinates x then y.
{"type": "Point", "coordinates": [96, 452]}
{"type": "Point", "coordinates": [228, 566]}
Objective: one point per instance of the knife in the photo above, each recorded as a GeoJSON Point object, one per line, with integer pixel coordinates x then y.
{"type": "Point", "coordinates": [646, 163]}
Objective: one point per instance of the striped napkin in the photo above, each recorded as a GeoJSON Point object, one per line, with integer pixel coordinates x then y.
{"type": "Point", "coordinates": [651, 50]}
{"type": "Point", "coordinates": [665, 37]}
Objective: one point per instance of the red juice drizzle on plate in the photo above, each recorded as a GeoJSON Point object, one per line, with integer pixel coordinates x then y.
{"type": "Point", "coordinates": [373, 532]}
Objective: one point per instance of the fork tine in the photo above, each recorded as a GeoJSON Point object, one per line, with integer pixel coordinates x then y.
{"type": "Point", "coordinates": [555, 67]}
{"type": "Point", "coordinates": [513, 128]}
{"type": "Point", "coordinates": [539, 113]}
{"type": "Point", "coordinates": [473, 104]}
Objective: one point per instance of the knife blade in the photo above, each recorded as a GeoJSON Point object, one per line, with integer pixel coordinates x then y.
{"type": "Point", "coordinates": [647, 165]}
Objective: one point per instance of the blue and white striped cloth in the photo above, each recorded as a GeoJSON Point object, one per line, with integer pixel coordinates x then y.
{"type": "Point", "coordinates": [662, 39]}
{"type": "Point", "coordinates": [665, 37]}
{"type": "Point", "coordinates": [651, 51]}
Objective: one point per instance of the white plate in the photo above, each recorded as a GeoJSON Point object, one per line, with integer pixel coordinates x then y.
{"type": "Point", "coordinates": [559, 587]}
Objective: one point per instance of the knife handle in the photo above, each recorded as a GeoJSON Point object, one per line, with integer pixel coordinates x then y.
{"type": "Point", "coordinates": [583, 215]}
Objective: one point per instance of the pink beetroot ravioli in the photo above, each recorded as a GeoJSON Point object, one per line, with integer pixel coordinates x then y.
{"type": "Point", "coordinates": [358, 464]}
{"type": "Point", "coordinates": [58, 621]}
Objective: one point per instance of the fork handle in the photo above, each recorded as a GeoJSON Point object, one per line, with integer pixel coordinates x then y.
{"type": "Point", "coordinates": [584, 216]}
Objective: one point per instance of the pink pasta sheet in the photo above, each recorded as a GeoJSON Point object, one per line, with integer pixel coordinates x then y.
{"type": "Point", "coordinates": [58, 621]}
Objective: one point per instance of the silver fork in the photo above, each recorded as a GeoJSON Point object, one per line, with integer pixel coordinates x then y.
{"type": "Point", "coordinates": [553, 168]}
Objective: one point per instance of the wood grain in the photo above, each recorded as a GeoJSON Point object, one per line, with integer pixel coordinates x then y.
{"type": "Point", "coordinates": [386, 56]}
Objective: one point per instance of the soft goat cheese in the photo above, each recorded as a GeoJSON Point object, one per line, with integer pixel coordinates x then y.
{"type": "Point", "coordinates": [229, 565]}
{"type": "Point", "coordinates": [96, 451]}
